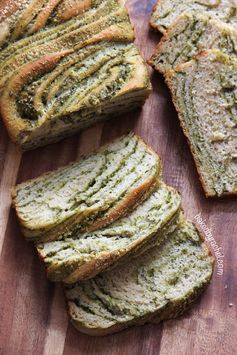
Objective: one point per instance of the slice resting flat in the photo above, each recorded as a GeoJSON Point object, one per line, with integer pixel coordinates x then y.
{"type": "Point", "coordinates": [155, 286]}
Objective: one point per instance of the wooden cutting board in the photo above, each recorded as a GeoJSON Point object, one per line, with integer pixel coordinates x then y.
{"type": "Point", "coordinates": [32, 311]}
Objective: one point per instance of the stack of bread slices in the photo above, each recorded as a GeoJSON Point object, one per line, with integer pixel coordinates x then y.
{"type": "Point", "coordinates": [114, 234]}
{"type": "Point", "coordinates": [198, 57]}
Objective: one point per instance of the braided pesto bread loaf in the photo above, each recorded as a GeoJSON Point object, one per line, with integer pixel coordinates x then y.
{"type": "Point", "coordinates": [90, 193]}
{"type": "Point", "coordinates": [65, 65]}
{"type": "Point", "coordinates": [166, 11]}
{"type": "Point", "coordinates": [158, 285]}
{"type": "Point", "coordinates": [83, 255]}
{"type": "Point", "coordinates": [204, 92]}
{"type": "Point", "coordinates": [189, 35]}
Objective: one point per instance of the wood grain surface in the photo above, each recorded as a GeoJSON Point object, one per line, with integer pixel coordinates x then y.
{"type": "Point", "coordinates": [33, 318]}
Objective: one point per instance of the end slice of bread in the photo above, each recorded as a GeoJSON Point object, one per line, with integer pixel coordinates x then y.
{"type": "Point", "coordinates": [83, 255]}
{"type": "Point", "coordinates": [155, 286]}
{"type": "Point", "coordinates": [64, 69]}
{"type": "Point", "coordinates": [189, 35]}
{"type": "Point", "coordinates": [89, 194]}
{"type": "Point", "coordinates": [166, 11]}
{"type": "Point", "coordinates": [204, 92]}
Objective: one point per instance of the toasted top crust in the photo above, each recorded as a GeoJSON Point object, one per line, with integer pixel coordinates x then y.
{"type": "Point", "coordinates": [65, 64]}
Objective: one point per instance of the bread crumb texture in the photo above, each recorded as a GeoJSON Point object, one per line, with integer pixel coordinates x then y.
{"type": "Point", "coordinates": [65, 65]}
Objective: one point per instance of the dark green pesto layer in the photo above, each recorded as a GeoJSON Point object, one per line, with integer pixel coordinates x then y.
{"type": "Point", "coordinates": [190, 35]}
{"type": "Point", "coordinates": [158, 284]}
{"type": "Point", "coordinates": [18, 25]}
{"type": "Point", "coordinates": [90, 188]}
{"type": "Point", "coordinates": [81, 81]}
{"type": "Point", "coordinates": [70, 35]}
{"type": "Point", "coordinates": [79, 68]}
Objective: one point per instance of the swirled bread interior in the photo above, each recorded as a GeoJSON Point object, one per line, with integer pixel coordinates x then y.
{"type": "Point", "coordinates": [158, 285]}
{"type": "Point", "coordinates": [189, 35]}
{"type": "Point", "coordinates": [166, 11]}
{"type": "Point", "coordinates": [65, 65]}
{"type": "Point", "coordinates": [83, 255]}
{"type": "Point", "coordinates": [90, 193]}
{"type": "Point", "coordinates": [204, 92]}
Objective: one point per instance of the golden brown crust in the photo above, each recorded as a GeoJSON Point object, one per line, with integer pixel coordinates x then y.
{"type": "Point", "coordinates": [153, 25]}
{"type": "Point", "coordinates": [110, 330]}
{"type": "Point", "coordinates": [164, 38]}
{"type": "Point", "coordinates": [26, 17]}
{"type": "Point", "coordinates": [72, 8]}
{"type": "Point", "coordinates": [173, 311]}
{"type": "Point", "coordinates": [13, 122]}
{"type": "Point", "coordinates": [31, 127]}
{"type": "Point", "coordinates": [83, 156]}
{"type": "Point", "coordinates": [93, 267]}
{"type": "Point", "coordinates": [156, 52]}
{"type": "Point", "coordinates": [134, 197]}
{"type": "Point", "coordinates": [43, 16]}
{"type": "Point", "coordinates": [7, 8]}
{"type": "Point", "coordinates": [113, 33]}
{"type": "Point", "coordinates": [221, 26]}
{"type": "Point", "coordinates": [19, 129]}
{"type": "Point", "coordinates": [107, 258]}
{"type": "Point", "coordinates": [118, 211]}
{"type": "Point", "coordinates": [131, 199]}
{"type": "Point", "coordinates": [137, 80]}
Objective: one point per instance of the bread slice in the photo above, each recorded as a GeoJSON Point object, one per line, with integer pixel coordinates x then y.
{"type": "Point", "coordinates": [158, 285]}
{"type": "Point", "coordinates": [166, 11]}
{"type": "Point", "coordinates": [84, 255]}
{"type": "Point", "coordinates": [90, 193]}
{"type": "Point", "coordinates": [204, 92]}
{"type": "Point", "coordinates": [64, 73]}
{"type": "Point", "coordinates": [189, 35]}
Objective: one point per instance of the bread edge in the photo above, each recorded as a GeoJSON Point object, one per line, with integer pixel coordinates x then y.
{"type": "Point", "coordinates": [121, 210]}
{"type": "Point", "coordinates": [85, 271]}
{"type": "Point", "coordinates": [168, 75]}
{"type": "Point", "coordinates": [151, 318]}
{"type": "Point", "coordinates": [153, 25]}
{"type": "Point", "coordinates": [106, 259]}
